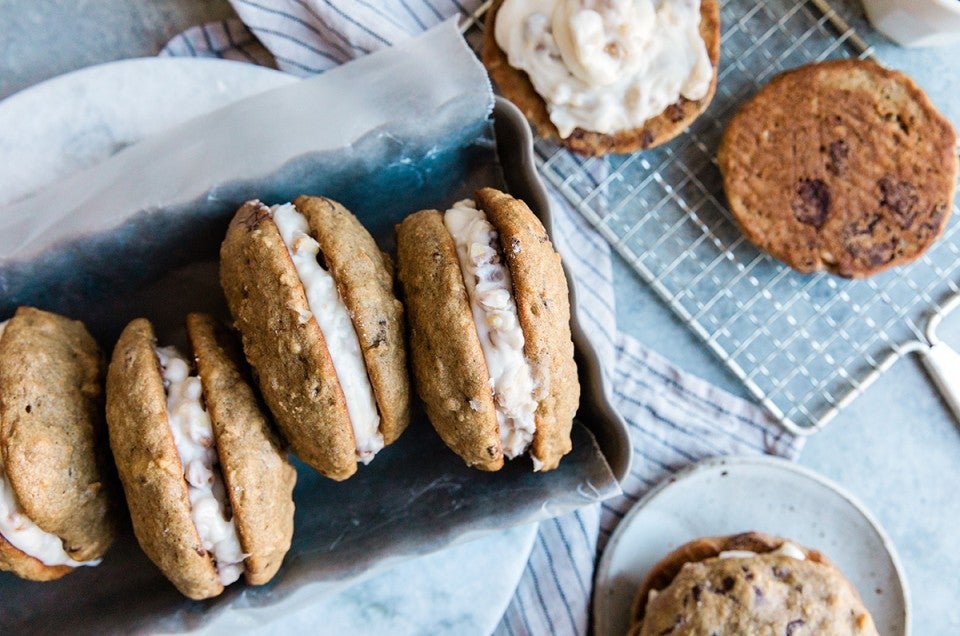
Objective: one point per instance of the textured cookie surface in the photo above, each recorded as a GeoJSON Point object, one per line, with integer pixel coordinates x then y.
{"type": "Point", "coordinates": [258, 478]}
{"type": "Point", "coordinates": [448, 363]}
{"type": "Point", "coordinates": [52, 435]}
{"type": "Point", "coordinates": [516, 86]}
{"type": "Point", "coordinates": [365, 282]}
{"type": "Point", "coordinates": [698, 593]}
{"type": "Point", "coordinates": [284, 344]}
{"type": "Point", "coordinates": [543, 310]}
{"type": "Point", "coordinates": [150, 467]}
{"type": "Point", "coordinates": [841, 166]}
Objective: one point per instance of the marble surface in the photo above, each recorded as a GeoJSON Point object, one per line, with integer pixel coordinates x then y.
{"type": "Point", "coordinates": [897, 448]}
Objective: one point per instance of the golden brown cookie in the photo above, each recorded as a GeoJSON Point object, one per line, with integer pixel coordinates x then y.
{"type": "Point", "coordinates": [842, 166]}
{"type": "Point", "coordinates": [52, 446]}
{"type": "Point", "coordinates": [257, 478]}
{"type": "Point", "coordinates": [516, 86]}
{"type": "Point", "coordinates": [693, 590]}
{"type": "Point", "coordinates": [285, 345]}
{"type": "Point", "coordinates": [449, 364]}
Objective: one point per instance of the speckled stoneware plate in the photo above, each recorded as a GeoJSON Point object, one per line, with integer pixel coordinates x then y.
{"type": "Point", "coordinates": [728, 495]}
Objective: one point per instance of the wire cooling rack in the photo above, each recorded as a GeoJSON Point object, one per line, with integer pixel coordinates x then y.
{"type": "Point", "coordinates": [804, 345]}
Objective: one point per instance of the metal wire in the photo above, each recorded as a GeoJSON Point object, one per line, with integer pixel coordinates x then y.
{"type": "Point", "coordinates": [805, 346]}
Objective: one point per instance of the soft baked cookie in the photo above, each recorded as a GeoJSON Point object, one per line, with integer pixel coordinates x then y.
{"type": "Point", "coordinates": [490, 340]}
{"type": "Point", "coordinates": [208, 486]}
{"type": "Point", "coordinates": [330, 356]}
{"type": "Point", "coordinates": [842, 166]}
{"type": "Point", "coordinates": [608, 51]}
{"type": "Point", "coordinates": [745, 584]}
{"type": "Point", "coordinates": [56, 498]}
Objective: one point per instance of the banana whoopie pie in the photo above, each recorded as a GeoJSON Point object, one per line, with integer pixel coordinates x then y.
{"type": "Point", "coordinates": [489, 316]}
{"type": "Point", "coordinates": [208, 486]}
{"type": "Point", "coordinates": [56, 510]}
{"type": "Point", "coordinates": [312, 296]}
{"type": "Point", "coordinates": [747, 583]}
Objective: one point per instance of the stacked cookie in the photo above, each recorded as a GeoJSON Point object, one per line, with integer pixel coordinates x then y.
{"type": "Point", "coordinates": [312, 296]}
{"type": "Point", "coordinates": [489, 308]}
{"type": "Point", "coordinates": [207, 483]}
{"type": "Point", "coordinates": [207, 480]}
{"type": "Point", "coordinates": [748, 583]}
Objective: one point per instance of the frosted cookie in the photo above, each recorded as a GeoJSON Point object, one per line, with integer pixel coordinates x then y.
{"type": "Point", "coordinates": [748, 583]}
{"type": "Point", "coordinates": [490, 341]}
{"type": "Point", "coordinates": [208, 486]}
{"type": "Point", "coordinates": [605, 77]}
{"type": "Point", "coordinates": [312, 296]}
{"type": "Point", "coordinates": [56, 502]}
{"type": "Point", "coordinates": [841, 166]}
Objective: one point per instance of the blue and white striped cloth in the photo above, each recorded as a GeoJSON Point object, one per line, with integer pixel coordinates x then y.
{"type": "Point", "coordinates": [675, 419]}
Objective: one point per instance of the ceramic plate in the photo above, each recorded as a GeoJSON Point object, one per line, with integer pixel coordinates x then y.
{"type": "Point", "coordinates": [79, 119]}
{"type": "Point", "coordinates": [76, 120]}
{"type": "Point", "coordinates": [736, 494]}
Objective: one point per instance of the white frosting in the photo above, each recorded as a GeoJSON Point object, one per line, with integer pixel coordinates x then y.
{"type": "Point", "coordinates": [786, 549]}
{"type": "Point", "coordinates": [24, 534]}
{"type": "Point", "coordinates": [490, 290]}
{"type": "Point", "coordinates": [337, 328]}
{"type": "Point", "coordinates": [606, 65]}
{"type": "Point", "coordinates": [193, 436]}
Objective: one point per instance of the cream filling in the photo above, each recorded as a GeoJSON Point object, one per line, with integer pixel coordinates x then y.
{"type": "Point", "coordinates": [337, 328]}
{"type": "Point", "coordinates": [786, 549]}
{"type": "Point", "coordinates": [27, 537]}
{"type": "Point", "coordinates": [193, 436]}
{"type": "Point", "coordinates": [490, 290]}
{"type": "Point", "coordinates": [24, 534]}
{"type": "Point", "coordinates": [606, 65]}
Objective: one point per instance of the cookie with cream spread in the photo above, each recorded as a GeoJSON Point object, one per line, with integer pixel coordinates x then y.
{"type": "Point", "coordinates": [489, 316]}
{"type": "Point", "coordinates": [602, 77]}
{"type": "Point", "coordinates": [749, 583]}
{"type": "Point", "coordinates": [312, 296]}
{"type": "Point", "coordinates": [57, 508]}
{"type": "Point", "coordinates": [207, 482]}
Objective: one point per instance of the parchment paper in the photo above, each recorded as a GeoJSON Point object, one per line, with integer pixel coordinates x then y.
{"type": "Point", "coordinates": [138, 235]}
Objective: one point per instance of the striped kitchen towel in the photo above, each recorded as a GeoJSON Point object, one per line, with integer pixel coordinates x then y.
{"type": "Point", "coordinates": [675, 419]}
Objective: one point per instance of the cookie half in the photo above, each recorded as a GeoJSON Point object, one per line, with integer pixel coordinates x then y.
{"type": "Point", "coordinates": [490, 340]}
{"type": "Point", "coordinates": [258, 478]}
{"type": "Point", "coordinates": [56, 498]}
{"type": "Point", "coordinates": [208, 487]}
{"type": "Point", "coordinates": [515, 84]}
{"type": "Point", "coordinates": [747, 583]}
{"type": "Point", "coordinates": [329, 353]}
{"type": "Point", "coordinates": [842, 166]}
